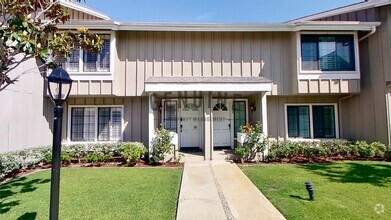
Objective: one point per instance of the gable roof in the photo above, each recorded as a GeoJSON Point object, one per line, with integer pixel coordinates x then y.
{"type": "Point", "coordinates": [342, 10]}
{"type": "Point", "coordinates": [84, 9]}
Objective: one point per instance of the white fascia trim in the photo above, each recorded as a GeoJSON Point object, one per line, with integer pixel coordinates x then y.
{"type": "Point", "coordinates": [208, 87]}
{"type": "Point", "coordinates": [344, 10]}
{"type": "Point", "coordinates": [91, 25]}
{"type": "Point", "coordinates": [84, 9]}
{"type": "Point", "coordinates": [303, 26]}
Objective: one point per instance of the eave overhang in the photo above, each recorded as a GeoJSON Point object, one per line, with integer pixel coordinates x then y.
{"type": "Point", "coordinates": [192, 27]}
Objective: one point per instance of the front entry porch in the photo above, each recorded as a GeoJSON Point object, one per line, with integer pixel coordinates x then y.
{"type": "Point", "coordinates": [206, 120]}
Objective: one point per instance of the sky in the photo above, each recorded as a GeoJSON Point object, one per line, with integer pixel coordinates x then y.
{"type": "Point", "coordinates": [212, 11]}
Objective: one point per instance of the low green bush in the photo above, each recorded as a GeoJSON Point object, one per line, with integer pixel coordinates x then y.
{"type": "Point", "coordinates": [161, 145]}
{"type": "Point", "coordinates": [334, 148]}
{"type": "Point", "coordinates": [133, 152]}
{"type": "Point", "coordinates": [92, 153]}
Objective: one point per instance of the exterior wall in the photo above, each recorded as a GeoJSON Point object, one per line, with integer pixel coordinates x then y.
{"type": "Point", "coordinates": [78, 15]}
{"type": "Point", "coordinates": [365, 115]}
{"type": "Point", "coordinates": [135, 115]}
{"type": "Point", "coordinates": [276, 110]}
{"type": "Point", "coordinates": [145, 54]}
{"type": "Point", "coordinates": [26, 114]}
{"type": "Point", "coordinates": [329, 86]}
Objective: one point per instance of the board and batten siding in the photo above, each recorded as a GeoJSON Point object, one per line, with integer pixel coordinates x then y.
{"type": "Point", "coordinates": [364, 116]}
{"type": "Point", "coordinates": [145, 54]}
{"type": "Point", "coordinates": [78, 15]}
{"type": "Point", "coordinates": [135, 114]}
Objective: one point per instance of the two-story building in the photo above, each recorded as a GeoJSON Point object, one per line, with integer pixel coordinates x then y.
{"type": "Point", "coordinates": [324, 76]}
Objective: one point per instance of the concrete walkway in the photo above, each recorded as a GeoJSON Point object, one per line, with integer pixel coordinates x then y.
{"type": "Point", "coordinates": [220, 190]}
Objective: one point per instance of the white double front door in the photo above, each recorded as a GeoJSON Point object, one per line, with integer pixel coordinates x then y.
{"type": "Point", "coordinates": [191, 122]}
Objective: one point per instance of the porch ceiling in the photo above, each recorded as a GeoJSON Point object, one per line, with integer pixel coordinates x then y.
{"type": "Point", "coordinates": [208, 84]}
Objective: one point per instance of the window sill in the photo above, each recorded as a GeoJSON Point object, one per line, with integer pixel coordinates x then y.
{"type": "Point", "coordinates": [328, 75]}
{"type": "Point", "coordinates": [91, 75]}
{"type": "Point", "coordinates": [314, 139]}
{"type": "Point", "coordinates": [67, 143]}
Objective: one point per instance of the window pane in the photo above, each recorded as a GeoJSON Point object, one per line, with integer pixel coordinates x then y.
{"type": "Point", "coordinates": [298, 121]}
{"type": "Point", "coordinates": [116, 124]}
{"type": "Point", "coordinates": [170, 115]}
{"type": "Point", "coordinates": [110, 124]}
{"type": "Point", "coordinates": [239, 115]}
{"type": "Point", "coordinates": [73, 61]}
{"type": "Point", "coordinates": [324, 121]}
{"type": "Point", "coordinates": [327, 52]}
{"type": "Point", "coordinates": [98, 62]}
{"type": "Point", "coordinates": [309, 51]}
{"type": "Point", "coordinates": [82, 124]}
{"type": "Point", "coordinates": [89, 60]}
{"type": "Point", "coordinates": [104, 57]}
{"type": "Point", "coordinates": [104, 124]}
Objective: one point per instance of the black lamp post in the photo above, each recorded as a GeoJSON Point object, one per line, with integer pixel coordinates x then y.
{"type": "Point", "coordinates": [59, 86]}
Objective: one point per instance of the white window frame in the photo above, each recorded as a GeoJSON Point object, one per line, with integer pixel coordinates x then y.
{"type": "Point", "coordinates": [96, 123]}
{"type": "Point", "coordinates": [82, 75]}
{"type": "Point", "coordinates": [336, 113]}
{"type": "Point", "coordinates": [319, 74]}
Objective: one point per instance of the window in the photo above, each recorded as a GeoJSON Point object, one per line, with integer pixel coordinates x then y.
{"type": "Point", "coordinates": [311, 121]}
{"type": "Point", "coordinates": [327, 52]}
{"type": "Point", "coordinates": [96, 123]}
{"type": "Point", "coordinates": [170, 115]}
{"type": "Point", "coordinates": [299, 121]}
{"type": "Point", "coordinates": [239, 115]}
{"type": "Point", "coordinates": [85, 61]}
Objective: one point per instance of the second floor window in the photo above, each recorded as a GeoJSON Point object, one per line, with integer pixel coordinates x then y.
{"type": "Point", "coordinates": [327, 53]}
{"type": "Point", "coordinates": [85, 61]}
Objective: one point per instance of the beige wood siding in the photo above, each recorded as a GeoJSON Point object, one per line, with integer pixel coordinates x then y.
{"type": "Point", "coordinates": [145, 54]}
{"type": "Point", "coordinates": [321, 86]}
{"type": "Point", "coordinates": [364, 116]}
{"type": "Point", "coordinates": [276, 110]}
{"type": "Point", "coordinates": [135, 115]}
{"type": "Point", "coordinates": [78, 15]}
{"type": "Point", "coordinates": [92, 87]}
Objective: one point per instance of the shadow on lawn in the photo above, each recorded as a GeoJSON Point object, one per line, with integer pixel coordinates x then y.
{"type": "Point", "coordinates": [28, 216]}
{"type": "Point", "coordinates": [21, 185]}
{"type": "Point", "coordinates": [351, 172]}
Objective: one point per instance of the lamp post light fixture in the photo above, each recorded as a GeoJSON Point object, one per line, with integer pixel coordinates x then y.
{"type": "Point", "coordinates": [59, 86]}
{"type": "Point", "coordinates": [311, 190]}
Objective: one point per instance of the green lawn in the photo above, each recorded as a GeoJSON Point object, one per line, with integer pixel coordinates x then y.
{"type": "Point", "coordinates": [344, 190]}
{"type": "Point", "coordinates": [95, 193]}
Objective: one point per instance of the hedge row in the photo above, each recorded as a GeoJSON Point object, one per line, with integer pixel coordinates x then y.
{"type": "Point", "coordinates": [90, 153]}
{"type": "Point", "coordinates": [335, 148]}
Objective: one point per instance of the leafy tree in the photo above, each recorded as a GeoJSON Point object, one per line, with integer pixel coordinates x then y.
{"type": "Point", "coordinates": [28, 30]}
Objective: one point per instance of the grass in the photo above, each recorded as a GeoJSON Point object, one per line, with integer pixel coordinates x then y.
{"type": "Point", "coordinates": [95, 193]}
{"type": "Point", "coordinates": [344, 190]}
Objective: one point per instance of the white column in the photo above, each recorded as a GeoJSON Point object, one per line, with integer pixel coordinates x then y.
{"type": "Point", "coordinates": [151, 123]}
{"type": "Point", "coordinates": [264, 118]}
{"type": "Point", "coordinates": [208, 129]}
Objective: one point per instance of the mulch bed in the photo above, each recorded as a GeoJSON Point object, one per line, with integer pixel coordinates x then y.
{"type": "Point", "coordinates": [112, 162]}
{"type": "Point", "coordinates": [312, 160]}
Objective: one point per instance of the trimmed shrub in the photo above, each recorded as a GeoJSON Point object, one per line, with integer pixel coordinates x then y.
{"type": "Point", "coordinates": [161, 145]}
{"type": "Point", "coordinates": [334, 148]}
{"type": "Point", "coordinates": [92, 153]}
{"type": "Point", "coordinates": [133, 152]}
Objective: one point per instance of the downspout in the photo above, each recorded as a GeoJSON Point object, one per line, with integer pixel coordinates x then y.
{"type": "Point", "coordinates": [369, 34]}
{"type": "Point", "coordinates": [339, 111]}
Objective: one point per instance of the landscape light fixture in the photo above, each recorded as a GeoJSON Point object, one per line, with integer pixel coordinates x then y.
{"type": "Point", "coordinates": [59, 86]}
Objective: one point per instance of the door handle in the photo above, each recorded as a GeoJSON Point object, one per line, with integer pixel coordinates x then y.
{"type": "Point", "coordinates": [181, 127]}
{"type": "Point", "coordinates": [229, 126]}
